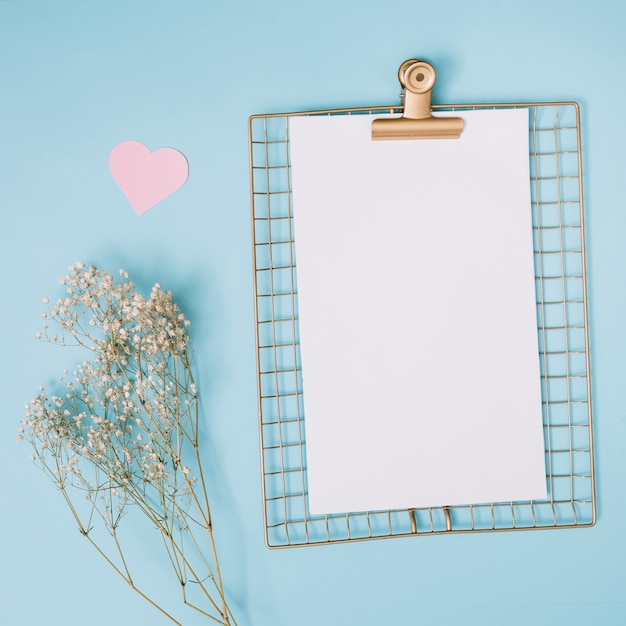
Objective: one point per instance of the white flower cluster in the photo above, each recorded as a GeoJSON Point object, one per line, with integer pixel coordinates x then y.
{"type": "Point", "coordinates": [123, 425]}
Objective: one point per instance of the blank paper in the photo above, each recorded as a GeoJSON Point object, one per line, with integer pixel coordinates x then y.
{"type": "Point", "coordinates": [417, 314]}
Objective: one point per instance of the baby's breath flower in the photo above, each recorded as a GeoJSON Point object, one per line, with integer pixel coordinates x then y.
{"type": "Point", "coordinates": [128, 421]}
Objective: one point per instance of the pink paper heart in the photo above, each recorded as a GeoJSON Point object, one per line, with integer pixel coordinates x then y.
{"type": "Point", "coordinates": [147, 177]}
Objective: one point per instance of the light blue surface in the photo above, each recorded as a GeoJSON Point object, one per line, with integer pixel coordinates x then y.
{"type": "Point", "coordinates": [77, 78]}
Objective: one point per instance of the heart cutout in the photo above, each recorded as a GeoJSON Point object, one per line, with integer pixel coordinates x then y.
{"type": "Point", "coordinates": [147, 177]}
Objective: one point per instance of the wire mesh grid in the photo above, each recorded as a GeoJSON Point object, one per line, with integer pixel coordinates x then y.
{"type": "Point", "coordinates": [558, 235]}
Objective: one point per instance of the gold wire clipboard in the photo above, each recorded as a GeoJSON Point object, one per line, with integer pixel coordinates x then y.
{"type": "Point", "coordinates": [560, 278]}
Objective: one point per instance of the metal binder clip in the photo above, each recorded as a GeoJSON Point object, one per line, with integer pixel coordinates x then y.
{"type": "Point", "coordinates": [417, 79]}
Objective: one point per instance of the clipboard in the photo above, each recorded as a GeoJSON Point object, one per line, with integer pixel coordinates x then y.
{"type": "Point", "coordinates": [555, 156]}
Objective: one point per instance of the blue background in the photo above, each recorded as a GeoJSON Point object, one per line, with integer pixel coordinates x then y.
{"type": "Point", "coordinates": [77, 78]}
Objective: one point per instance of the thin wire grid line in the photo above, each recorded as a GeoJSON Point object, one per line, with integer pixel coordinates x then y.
{"type": "Point", "coordinates": [585, 317]}
{"type": "Point", "coordinates": [293, 326]}
{"type": "Point", "coordinates": [542, 309]}
{"type": "Point", "coordinates": [471, 517]}
{"type": "Point", "coordinates": [565, 310]}
{"type": "Point", "coordinates": [272, 308]}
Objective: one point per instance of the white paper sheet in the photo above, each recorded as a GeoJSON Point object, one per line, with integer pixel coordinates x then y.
{"type": "Point", "coordinates": [417, 314]}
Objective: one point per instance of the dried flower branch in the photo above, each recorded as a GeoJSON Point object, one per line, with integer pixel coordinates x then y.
{"type": "Point", "coordinates": [123, 434]}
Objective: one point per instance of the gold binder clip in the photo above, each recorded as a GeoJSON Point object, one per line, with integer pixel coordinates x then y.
{"type": "Point", "coordinates": [417, 79]}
